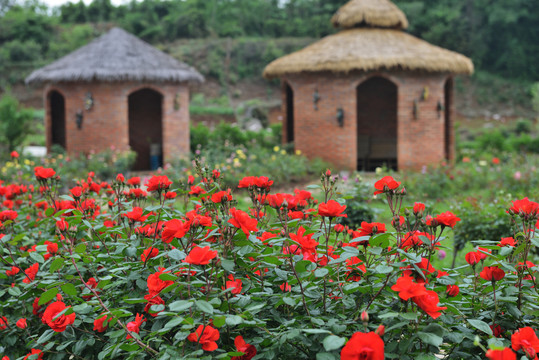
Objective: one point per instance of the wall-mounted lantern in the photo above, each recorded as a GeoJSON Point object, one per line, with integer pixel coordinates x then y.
{"type": "Point", "coordinates": [340, 117]}
{"type": "Point", "coordinates": [88, 101]}
{"type": "Point", "coordinates": [316, 99]}
{"type": "Point", "coordinates": [425, 93]}
{"type": "Point", "coordinates": [78, 119]}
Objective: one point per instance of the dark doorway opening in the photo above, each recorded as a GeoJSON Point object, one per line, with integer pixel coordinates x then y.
{"type": "Point", "coordinates": [376, 124]}
{"type": "Point", "coordinates": [58, 119]}
{"type": "Point", "coordinates": [448, 98]}
{"type": "Point", "coordinates": [146, 129]}
{"type": "Point", "coordinates": [289, 114]}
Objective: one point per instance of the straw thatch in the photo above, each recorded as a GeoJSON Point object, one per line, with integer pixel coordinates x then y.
{"type": "Point", "coordinates": [116, 56]}
{"type": "Point", "coordinates": [373, 13]}
{"type": "Point", "coordinates": [367, 49]}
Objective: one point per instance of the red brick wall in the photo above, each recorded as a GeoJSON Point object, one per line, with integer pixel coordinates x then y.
{"type": "Point", "coordinates": [420, 140]}
{"type": "Point", "coordinates": [105, 125]}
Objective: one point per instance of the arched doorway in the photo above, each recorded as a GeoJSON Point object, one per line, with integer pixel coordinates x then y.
{"type": "Point", "coordinates": [289, 114]}
{"type": "Point", "coordinates": [448, 122]}
{"type": "Point", "coordinates": [146, 128]}
{"type": "Point", "coordinates": [376, 124]}
{"type": "Point", "coordinates": [58, 119]}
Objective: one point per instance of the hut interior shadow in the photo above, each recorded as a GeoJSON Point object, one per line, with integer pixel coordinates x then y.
{"type": "Point", "coordinates": [145, 128]}
{"type": "Point", "coordinates": [448, 97]}
{"type": "Point", "coordinates": [376, 124]}
{"type": "Point", "coordinates": [58, 119]}
{"type": "Point", "coordinates": [289, 114]}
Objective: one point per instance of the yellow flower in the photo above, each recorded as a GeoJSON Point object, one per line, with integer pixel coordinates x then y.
{"type": "Point", "coordinates": [273, 157]}
{"type": "Point", "coordinates": [378, 170]}
{"type": "Point", "coordinates": [276, 149]}
{"type": "Point", "coordinates": [26, 162]}
{"type": "Point", "coordinates": [60, 156]}
{"type": "Point", "coordinates": [283, 152]}
{"type": "Point", "coordinates": [298, 152]}
{"type": "Point", "coordinates": [9, 164]}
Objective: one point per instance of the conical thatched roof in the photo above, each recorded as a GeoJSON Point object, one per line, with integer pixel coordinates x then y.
{"type": "Point", "coordinates": [373, 13]}
{"type": "Point", "coordinates": [368, 49]}
{"type": "Point", "coordinates": [116, 56]}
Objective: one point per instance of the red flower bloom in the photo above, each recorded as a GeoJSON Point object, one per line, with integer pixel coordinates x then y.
{"type": "Point", "coordinates": [419, 208]}
{"type": "Point", "coordinates": [100, 325]}
{"type": "Point", "coordinates": [505, 354]}
{"type": "Point", "coordinates": [62, 225]}
{"type": "Point", "coordinates": [507, 241]}
{"type": "Point", "coordinates": [307, 243]}
{"type": "Point", "coordinates": [332, 209]}
{"type": "Point", "coordinates": [200, 256]}
{"type": "Point", "coordinates": [285, 287]}
{"type": "Point", "coordinates": [31, 273]}
{"type": "Point", "coordinates": [21, 323]}
{"type": "Point", "coordinates": [492, 273]}
{"type": "Point", "coordinates": [407, 288]}
{"type": "Point", "coordinates": [146, 254]}
{"type": "Point", "coordinates": [368, 229]}
{"type": "Point", "coordinates": [158, 183]}
{"type": "Point", "coordinates": [52, 248]}
{"type": "Point", "coordinates": [34, 352]}
{"type": "Point", "coordinates": [429, 303]}
{"type": "Point", "coordinates": [473, 258]}
{"type": "Point", "coordinates": [153, 300]}
{"type": "Point", "coordinates": [447, 218]}
{"type": "Point", "coordinates": [134, 181]}
{"type": "Point", "coordinates": [527, 340]}
{"type": "Point", "coordinates": [136, 215]}
{"type": "Point", "coordinates": [385, 184]}
{"type": "Point", "coordinates": [174, 229]}
{"type": "Point", "coordinates": [196, 190]}
{"type": "Point", "coordinates": [14, 154]}
{"type": "Point", "coordinates": [14, 271]}
{"type": "Point", "coordinates": [364, 346]}
{"type": "Point", "coordinates": [524, 207]}
{"type": "Point", "coordinates": [234, 284]}
{"type": "Point", "coordinates": [242, 220]}
{"type": "Point", "coordinates": [206, 336]}
{"type": "Point", "coordinates": [155, 285]}
{"type": "Point", "coordinates": [3, 323]}
{"type": "Point", "coordinates": [482, 252]}
{"type": "Point", "coordinates": [221, 196]}
{"type": "Point", "coordinates": [59, 323]}
{"type": "Point", "coordinates": [452, 290]}
{"type": "Point", "coordinates": [248, 350]}
{"type": "Point", "coordinates": [134, 326]}
{"type": "Point", "coordinates": [42, 173]}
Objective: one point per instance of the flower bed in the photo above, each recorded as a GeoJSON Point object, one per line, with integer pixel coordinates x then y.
{"type": "Point", "coordinates": [160, 270]}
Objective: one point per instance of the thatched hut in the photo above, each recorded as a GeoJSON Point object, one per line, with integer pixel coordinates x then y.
{"type": "Point", "coordinates": [370, 94]}
{"type": "Point", "coordinates": [118, 91]}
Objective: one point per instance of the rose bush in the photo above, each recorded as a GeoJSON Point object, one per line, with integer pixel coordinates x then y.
{"type": "Point", "coordinates": [177, 270]}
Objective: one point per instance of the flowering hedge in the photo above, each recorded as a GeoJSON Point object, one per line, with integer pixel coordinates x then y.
{"type": "Point", "coordinates": [178, 271]}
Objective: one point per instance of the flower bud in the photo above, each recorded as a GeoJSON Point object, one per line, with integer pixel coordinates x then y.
{"type": "Point", "coordinates": [365, 317]}
{"type": "Point", "coordinates": [328, 173]}
{"type": "Point", "coordinates": [380, 330]}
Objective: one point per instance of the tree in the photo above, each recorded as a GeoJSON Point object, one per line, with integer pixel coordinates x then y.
{"type": "Point", "coordinates": [14, 121]}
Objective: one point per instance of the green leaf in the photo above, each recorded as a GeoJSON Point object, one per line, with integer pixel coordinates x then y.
{"type": "Point", "coordinates": [381, 240]}
{"type": "Point", "coordinates": [430, 339]}
{"type": "Point", "coordinates": [383, 269]}
{"type": "Point", "coordinates": [333, 342]}
{"type": "Point", "coordinates": [45, 336]}
{"type": "Point", "coordinates": [47, 296]}
{"type": "Point", "coordinates": [57, 264]}
{"type": "Point", "coordinates": [228, 265]}
{"type": "Point", "coordinates": [135, 301]}
{"type": "Point", "coordinates": [204, 306]}
{"type": "Point", "coordinates": [316, 331]}
{"type": "Point", "coordinates": [481, 325]}
{"type": "Point", "coordinates": [321, 272]}
{"type": "Point", "coordinates": [49, 212]}
{"type": "Point", "coordinates": [304, 266]}
{"type": "Point", "coordinates": [174, 322]}
{"type": "Point", "coordinates": [69, 289]}
{"type": "Point", "coordinates": [219, 321]}
{"type": "Point", "coordinates": [81, 248]}
{"type": "Point", "coordinates": [325, 356]}
{"type": "Point", "coordinates": [232, 320]}
{"type": "Point", "coordinates": [167, 277]}
{"type": "Point", "coordinates": [176, 254]}
{"type": "Point", "coordinates": [37, 257]}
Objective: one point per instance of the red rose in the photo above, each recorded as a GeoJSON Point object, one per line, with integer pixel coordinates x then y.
{"type": "Point", "coordinates": [492, 273]}
{"type": "Point", "coordinates": [527, 340]}
{"type": "Point", "coordinates": [200, 256]}
{"type": "Point", "coordinates": [407, 288]}
{"type": "Point", "coordinates": [153, 300]}
{"type": "Point", "coordinates": [447, 218]}
{"type": "Point", "coordinates": [234, 284]}
{"type": "Point", "coordinates": [21, 323]}
{"type": "Point", "coordinates": [134, 181]}
{"type": "Point", "coordinates": [175, 229]}
{"type": "Point", "coordinates": [331, 209]}
{"type": "Point", "coordinates": [42, 173]}
{"type": "Point", "coordinates": [158, 183]}
{"type": "Point", "coordinates": [3, 323]}
{"type": "Point", "coordinates": [419, 208]}
{"type": "Point", "coordinates": [243, 221]}
{"type": "Point", "coordinates": [307, 243]}
{"type": "Point", "coordinates": [364, 346]}
{"type": "Point", "coordinates": [134, 326]}
{"type": "Point", "coordinates": [505, 354]}
{"type": "Point", "coordinates": [452, 290]}
{"type": "Point", "coordinates": [146, 254]}
{"type": "Point", "coordinates": [100, 325]}
{"type": "Point", "coordinates": [524, 206]}
{"type": "Point", "coordinates": [59, 323]}
{"type": "Point", "coordinates": [206, 336]}
{"type": "Point", "coordinates": [472, 258]}
{"type": "Point", "coordinates": [14, 271]}
{"type": "Point", "coordinates": [221, 196]}
{"type": "Point", "coordinates": [248, 350]}
{"type": "Point", "coordinates": [508, 241]}
{"type": "Point", "coordinates": [14, 154]}
{"type": "Point", "coordinates": [429, 303]}
{"type": "Point", "coordinates": [34, 352]}
{"type": "Point", "coordinates": [285, 287]}
{"type": "Point", "coordinates": [155, 285]}
{"type": "Point", "coordinates": [385, 184]}
{"type": "Point", "coordinates": [31, 273]}
{"type": "Point", "coordinates": [368, 229]}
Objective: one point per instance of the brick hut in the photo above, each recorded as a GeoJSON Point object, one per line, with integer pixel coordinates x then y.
{"type": "Point", "coordinates": [370, 94]}
{"type": "Point", "coordinates": [118, 91]}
